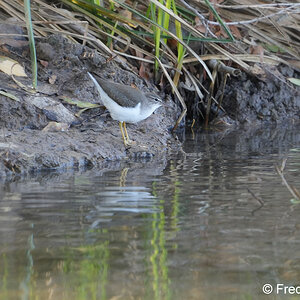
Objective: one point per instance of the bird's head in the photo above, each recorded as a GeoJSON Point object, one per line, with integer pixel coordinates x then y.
{"type": "Point", "coordinates": [154, 99]}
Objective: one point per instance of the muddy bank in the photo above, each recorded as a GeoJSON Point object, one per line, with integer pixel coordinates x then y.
{"type": "Point", "coordinates": [28, 144]}
{"type": "Point", "coordinates": [250, 100]}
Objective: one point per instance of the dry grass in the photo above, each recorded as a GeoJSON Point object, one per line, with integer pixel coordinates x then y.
{"type": "Point", "coordinates": [242, 34]}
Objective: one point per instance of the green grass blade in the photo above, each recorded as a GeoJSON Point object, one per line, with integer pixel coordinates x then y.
{"type": "Point", "coordinates": [169, 33]}
{"type": "Point", "coordinates": [157, 30]}
{"type": "Point", "coordinates": [31, 42]}
{"type": "Point", "coordinates": [180, 48]}
{"type": "Point", "coordinates": [167, 17]}
{"type": "Point", "coordinates": [222, 24]}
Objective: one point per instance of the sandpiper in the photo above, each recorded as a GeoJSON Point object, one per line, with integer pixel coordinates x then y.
{"type": "Point", "coordinates": [125, 104]}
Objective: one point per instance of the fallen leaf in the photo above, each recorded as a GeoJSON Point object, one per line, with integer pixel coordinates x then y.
{"type": "Point", "coordinates": [80, 104]}
{"type": "Point", "coordinates": [142, 72]}
{"type": "Point", "coordinates": [235, 32]}
{"type": "Point", "coordinates": [11, 67]}
{"type": "Point", "coordinates": [256, 70]}
{"type": "Point", "coordinates": [11, 96]}
{"type": "Point", "coordinates": [55, 126]}
{"type": "Point", "coordinates": [52, 79]}
{"type": "Point", "coordinates": [80, 112]}
{"type": "Point", "coordinates": [44, 63]}
{"type": "Point", "coordinates": [258, 50]}
{"type": "Point", "coordinates": [126, 13]}
{"type": "Point", "coordinates": [295, 81]}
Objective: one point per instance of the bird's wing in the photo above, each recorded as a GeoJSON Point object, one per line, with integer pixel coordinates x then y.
{"type": "Point", "coordinates": [115, 90]}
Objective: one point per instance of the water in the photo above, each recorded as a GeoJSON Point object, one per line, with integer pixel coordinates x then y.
{"type": "Point", "coordinates": [214, 221]}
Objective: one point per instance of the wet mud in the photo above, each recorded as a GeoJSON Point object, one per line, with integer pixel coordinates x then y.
{"type": "Point", "coordinates": [42, 131]}
{"type": "Point", "coordinates": [273, 99]}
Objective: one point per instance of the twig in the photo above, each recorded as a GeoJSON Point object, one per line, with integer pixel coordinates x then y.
{"type": "Point", "coordinates": [203, 19]}
{"type": "Point", "coordinates": [292, 190]}
{"type": "Point", "coordinates": [207, 22]}
{"type": "Point", "coordinates": [269, 5]}
{"type": "Point", "coordinates": [261, 202]}
{"type": "Point", "coordinates": [221, 67]}
{"type": "Point", "coordinates": [283, 11]}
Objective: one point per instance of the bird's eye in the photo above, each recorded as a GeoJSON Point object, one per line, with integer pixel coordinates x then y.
{"type": "Point", "coordinates": [154, 97]}
{"type": "Point", "coordinates": [157, 99]}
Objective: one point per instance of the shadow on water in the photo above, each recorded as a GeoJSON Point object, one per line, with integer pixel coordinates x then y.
{"type": "Point", "coordinates": [213, 220]}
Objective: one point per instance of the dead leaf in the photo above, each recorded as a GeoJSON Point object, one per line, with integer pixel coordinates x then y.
{"type": "Point", "coordinates": [295, 81]}
{"type": "Point", "coordinates": [235, 32]}
{"type": "Point", "coordinates": [11, 96]}
{"type": "Point", "coordinates": [125, 13]}
{"type": "Point", "coordinates": [258, 71]}
{"type": "Point", "coordinates": [11, 67]}
{"type": "Point", "coordinates": [52, 79]}
{"type": "Point", "coordinates": [142, 71]}
{"type": "Point", "coordinates": [44, 63]}
{"type": "Point", "coordinates": [80, 104]}
{"type": "Point", "coordinates": [4, 49]}
{"type": "Point", "coordinates": [258, 50]}
{"type": "Point", "coordinates": [128, 15]}
{"type": "Point", "coordinates": [55, 126]}
{"type": "Point", "coordinates": [78, 114]}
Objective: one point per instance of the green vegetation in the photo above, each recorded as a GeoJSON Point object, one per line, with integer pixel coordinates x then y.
{"type": "Point", "coordinates": [31, 42]}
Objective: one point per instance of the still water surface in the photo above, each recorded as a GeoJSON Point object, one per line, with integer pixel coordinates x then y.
{"type": "Point", "coordinates": [213, 221]}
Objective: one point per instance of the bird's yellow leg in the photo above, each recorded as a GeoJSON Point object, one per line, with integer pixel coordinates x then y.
{"type": "Point", "coordinates": [123, 136]}
{"type": "Point", "coordinates": [126, 134]}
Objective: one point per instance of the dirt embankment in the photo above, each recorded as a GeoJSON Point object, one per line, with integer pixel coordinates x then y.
{"type": "Point", "coordinates": [84, 141]}
{"type": "Point", "coordinates": [271, 99]}
{"type": "Point", "coordinates": [28, 144]}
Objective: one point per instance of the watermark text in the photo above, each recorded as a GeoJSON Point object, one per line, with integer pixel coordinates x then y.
{"type": "Point", "coordinates": [280, 288]}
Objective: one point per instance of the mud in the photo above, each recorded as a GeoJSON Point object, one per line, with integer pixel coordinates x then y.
{"type": "Point", "coordinates": [273, 99]}
{"type": "Point", "coordinates": [28, 144]}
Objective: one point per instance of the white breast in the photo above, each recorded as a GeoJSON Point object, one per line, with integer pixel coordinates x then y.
{"type": "Point", "coordinates": [123, 114]}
